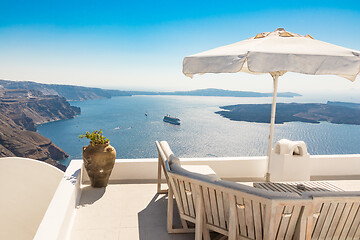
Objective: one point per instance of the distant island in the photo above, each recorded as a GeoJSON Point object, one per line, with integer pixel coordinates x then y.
{"type": "Point", "coordinates": [78, 93]}
{"type": "Point", "coordinates": [70, 92]}
{"type": "Point", "coordinates": [333, 112]}
{"type": "Point", "coordinates": [213, 92]}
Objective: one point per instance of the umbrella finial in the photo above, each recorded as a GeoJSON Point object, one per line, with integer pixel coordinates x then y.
{"type": "Point", "coordinates": [280, 29]}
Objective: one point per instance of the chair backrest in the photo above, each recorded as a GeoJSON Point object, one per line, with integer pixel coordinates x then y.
{"type": "Point", "coordinates": [254, 216]}
{"type": "Point", "coordinates": [166, 150]}
{"type": "Point", "coordinates": [336, 215]}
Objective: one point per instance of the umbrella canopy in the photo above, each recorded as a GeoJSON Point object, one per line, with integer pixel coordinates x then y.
{"type": "Point", "coordinates": [276, 53]}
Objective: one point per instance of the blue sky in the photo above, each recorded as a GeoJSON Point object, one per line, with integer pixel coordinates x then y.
{"type": "Point", "coordinates": [141, 44]}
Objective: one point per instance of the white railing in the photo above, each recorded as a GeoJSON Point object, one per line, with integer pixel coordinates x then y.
{"type": "Point", "coordinates": [335, 165]}
{"type": "Point", "coordinates": [60, 214]}
{"type": "Point", "coordinates": [137, 170]}
{"type": "Point", "coordinates": [237, 168]}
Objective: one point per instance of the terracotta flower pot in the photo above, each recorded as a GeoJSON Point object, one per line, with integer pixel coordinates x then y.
{"type": "Point", "coordinates": [99, 161]}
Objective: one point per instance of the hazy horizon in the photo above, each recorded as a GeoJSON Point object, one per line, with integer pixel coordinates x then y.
{"type": "Point", "coordinates": [309, 93]}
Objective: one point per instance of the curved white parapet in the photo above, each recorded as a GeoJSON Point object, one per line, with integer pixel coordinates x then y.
{"type": "Point", "coordinates": [58, 219]}
{"type": "Point", "coordinates": [27, 187]}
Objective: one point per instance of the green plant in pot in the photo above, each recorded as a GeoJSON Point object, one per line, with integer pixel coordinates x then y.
{"type": "Point", "coordinates": [99, 158]}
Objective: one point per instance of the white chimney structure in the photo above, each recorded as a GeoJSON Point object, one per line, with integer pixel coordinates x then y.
{"type": "Point", "coordinates": [290, 161]}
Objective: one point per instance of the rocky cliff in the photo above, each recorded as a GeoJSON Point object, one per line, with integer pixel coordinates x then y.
{"type": "Point", "coordinates": [20, 112]}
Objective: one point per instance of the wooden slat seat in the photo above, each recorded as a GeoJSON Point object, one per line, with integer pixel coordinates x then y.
{"type": "Point", "coordinates": [309, 186]}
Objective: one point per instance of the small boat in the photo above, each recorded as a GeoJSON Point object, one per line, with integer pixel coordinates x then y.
{"type": "Point", "coordinates": [146, 114]}
{"type": "Point", "coordinates": [171, 120]}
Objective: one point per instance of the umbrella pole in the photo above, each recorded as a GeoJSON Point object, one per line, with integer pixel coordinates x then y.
{"type": "Point", "coordinates": [272, 123]}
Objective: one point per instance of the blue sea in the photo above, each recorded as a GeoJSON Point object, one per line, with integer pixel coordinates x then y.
{"type": "Point", "coordinates": [202, 133]}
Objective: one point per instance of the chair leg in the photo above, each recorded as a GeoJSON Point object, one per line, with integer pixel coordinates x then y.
{"type": "Point", "coordinates": [199, 225]}
{"type": "Point", "coordinates": [303, 230]}
{"type": "Point", "coordinates": [200, 213]}
{"type": "Point", "coordinates": [206, 232]}
{"type": "Point", "coordinates": [232, 218]}
{"type": "Point", "coordinates": [170, 210]}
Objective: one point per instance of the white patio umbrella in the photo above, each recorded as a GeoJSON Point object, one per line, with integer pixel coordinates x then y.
{"type": "Point", "coordinates": [276, 53]}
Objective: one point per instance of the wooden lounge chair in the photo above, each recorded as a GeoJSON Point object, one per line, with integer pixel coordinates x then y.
{"type": "Point", "coordinates": [336, 215]}
{"type": "Point", "coordinates": [235, 210]}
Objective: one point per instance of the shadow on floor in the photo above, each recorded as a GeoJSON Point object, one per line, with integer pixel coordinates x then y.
{"type": "Point", "coordinates": [153, 219]}
{"type": "Point", "coordinates": [90, 195]}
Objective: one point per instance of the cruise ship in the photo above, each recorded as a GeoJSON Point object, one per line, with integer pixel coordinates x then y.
{"type": "Point", "coordinates": [172, 120]}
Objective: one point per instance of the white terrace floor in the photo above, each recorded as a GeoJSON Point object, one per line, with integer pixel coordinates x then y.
{"type": "Point", "coordinates": [122, 211]}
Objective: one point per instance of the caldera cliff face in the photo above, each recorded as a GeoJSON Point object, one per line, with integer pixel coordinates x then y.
{"type": "Point", "coordinates": [20, 112]}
